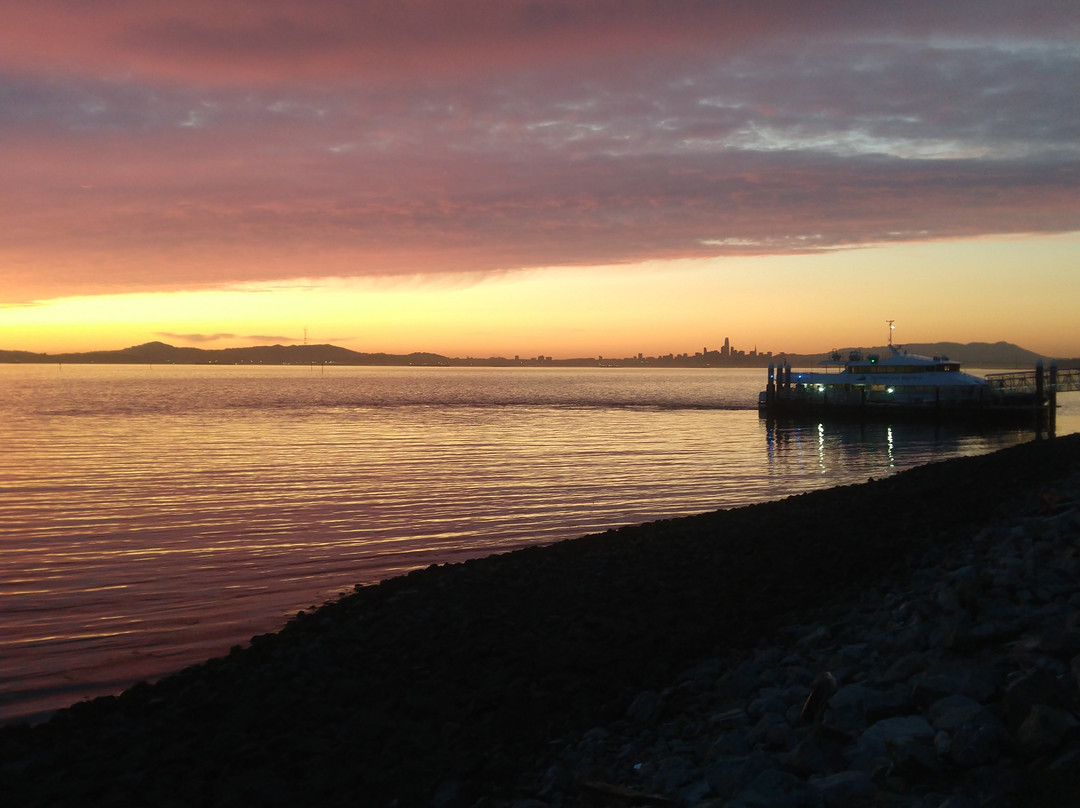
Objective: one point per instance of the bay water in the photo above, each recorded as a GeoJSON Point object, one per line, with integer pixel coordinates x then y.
{"type": "Point", "coordinates": [154, 516]}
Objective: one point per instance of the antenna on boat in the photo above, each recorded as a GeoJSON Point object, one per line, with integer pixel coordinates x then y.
{"type": "Point", "coordinates": [891, 328]}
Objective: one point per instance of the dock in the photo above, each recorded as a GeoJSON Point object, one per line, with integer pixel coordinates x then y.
{"type": "Point", "coordinates": [1016, 397]}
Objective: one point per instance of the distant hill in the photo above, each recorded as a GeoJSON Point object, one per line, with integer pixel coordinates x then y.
{"type": "Point", "coordinates": [973, 354]}
{"type": "Point", "coordinates": [160, 353]}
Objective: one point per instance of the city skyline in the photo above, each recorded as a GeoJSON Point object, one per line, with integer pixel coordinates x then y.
{"type": "Point", "coordinates": [516, 178]}
{"type": "Point", "coordinates": [157, 352]}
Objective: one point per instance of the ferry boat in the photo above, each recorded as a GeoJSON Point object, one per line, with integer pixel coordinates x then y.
{"type": "Point", "coordinates": [903, 384]}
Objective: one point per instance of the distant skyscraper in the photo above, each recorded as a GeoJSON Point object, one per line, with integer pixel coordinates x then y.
{"type": "Point", "coordinates": [727, 347]}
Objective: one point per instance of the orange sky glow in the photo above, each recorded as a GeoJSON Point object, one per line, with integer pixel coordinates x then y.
{"type": "Point", "coordinates": [512, 178]}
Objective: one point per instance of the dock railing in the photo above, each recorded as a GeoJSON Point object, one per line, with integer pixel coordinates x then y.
{"type": "Point", "coordinates": [1026, 382]}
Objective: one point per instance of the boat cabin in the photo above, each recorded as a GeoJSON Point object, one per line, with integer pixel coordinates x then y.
{"type": "Point", "coordinates": [899, 363]}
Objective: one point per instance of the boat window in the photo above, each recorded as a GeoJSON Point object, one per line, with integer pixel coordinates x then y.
{"type": "Point", "coordinates": [888, 369]}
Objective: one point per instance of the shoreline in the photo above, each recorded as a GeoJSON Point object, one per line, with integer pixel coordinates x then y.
{"type": "Point", "coordinates": [1000, 354]}
{"type": "Point", "coordinates": [470, 673]}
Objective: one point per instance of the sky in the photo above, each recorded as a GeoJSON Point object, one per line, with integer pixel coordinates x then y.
{"type": "Point", "coordinates": [576, 178]}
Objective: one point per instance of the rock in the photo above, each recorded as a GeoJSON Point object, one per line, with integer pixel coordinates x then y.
{"type": "Point", "coordinates": [986, 634]}
{"type": "Point", "coordinates": [905, 667]}
{"type": "Point", "coordinates": [967, 575]}
{"type": "Point", "coordinates": [960, 801]}
{"type": "Point", "coordinates": [769, 700]}
{"type": "Point", "coordinates": [671, 774]}
{"type": "Point", "coordinates": [909, 640]}
{"type": "Point", "coordinates": [1000, 609]}
{"type": "Point", "coordinates": [894, 730]}
{"type": "Point", "coordinates": [914, 760]}
{"type": "Point", "coordinates": [595, 735]}
{"type": "Point", "coordinates": [979, 741]}
{"type": "Point", "coordinates": [1068, 763]}
{"type": "Point", "coordinates": [446, 795]}
{"type": "Point", "coordinates": [819, 752]}
{"type": "Point", "coordinates": [729, 719]}
{"type": "Point", "coordinates": [1044, 730]}
{"type": "Point", "coordinates": [558, 777]}
{"type": "Point", "coordinates": [952, 711]}
{"type": "Point", "coordinates": [724, 775]}
{"type": "Point", "coordinates": [738, 683]}
{"type": "Point", "coordinates": [948, 598]}
{"type": "Point", "coordinates": [702, 675]}
{"type": "Point", "coordinates": [813, 639]}
{"type": "Point", "coordinates": [768, 655]}
{"type": "Point", "coordinates": [645, 708]}
{"type": "Point", "coordinates": [846, 789]}
{"type": "Point", "coordinates": [728, 774]}
{"type": "Point", "coordinates": [774, 787]}
{"type": "Point", "coordinates": [948, 629]}
{"type": "Point", "coordinates": [942, 743]}
{"type": "Point", "coordinates": [614, 795]}
{"type": "Point", "coordinates": [694, 792]}
{"type": "Point", "coordinates": [956, 676]}
{"type": "Point", "coordinates": [855, 706]}
{"type": "Point", "coordinates": [773, 731]}
{"type": "Point", "coordinates": [891, 703]}
{"type": "Point", "coordinates": [849, 697]}
{"type": "Point", "coordinates": [1058, 641]}
{"type": "Point", "coordinates": [1033, 687]}
{"type": "Point", "coordinates": [731, 743]}
{"type": "Point", "coordinates": [797, 673]}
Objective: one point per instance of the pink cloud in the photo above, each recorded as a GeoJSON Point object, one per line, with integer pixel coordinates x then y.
{"type": "Point", "coordinates": [220, 142]}
{"type": "Point", "coordinates": [219, 42]}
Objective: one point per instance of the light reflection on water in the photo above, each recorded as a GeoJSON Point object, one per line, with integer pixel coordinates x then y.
{"type": "Point", "coordinates": [155, 516]}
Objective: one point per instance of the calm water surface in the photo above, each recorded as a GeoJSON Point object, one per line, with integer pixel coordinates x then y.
{"type": "Point", "coordinates": [154, 516]}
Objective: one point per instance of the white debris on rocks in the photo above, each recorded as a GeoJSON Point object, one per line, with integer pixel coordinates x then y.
{"type": "Point", "coordinates": [957, 687]}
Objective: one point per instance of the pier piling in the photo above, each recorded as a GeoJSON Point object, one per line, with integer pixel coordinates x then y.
{"type": "Point", "coordinates": [1051, 404]}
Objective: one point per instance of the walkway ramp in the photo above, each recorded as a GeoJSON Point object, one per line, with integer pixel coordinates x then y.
{"type": "Point", "coordinates": [1026, 382]}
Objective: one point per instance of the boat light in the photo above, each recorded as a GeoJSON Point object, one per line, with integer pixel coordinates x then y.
{"type": "Point", "coordinates": [891, 390]}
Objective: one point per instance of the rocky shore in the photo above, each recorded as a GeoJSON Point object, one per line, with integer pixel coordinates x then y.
{"type": "Point", "coordinates": [913, 641]}
{"type": "Point", "coordinates": [956, 686]}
